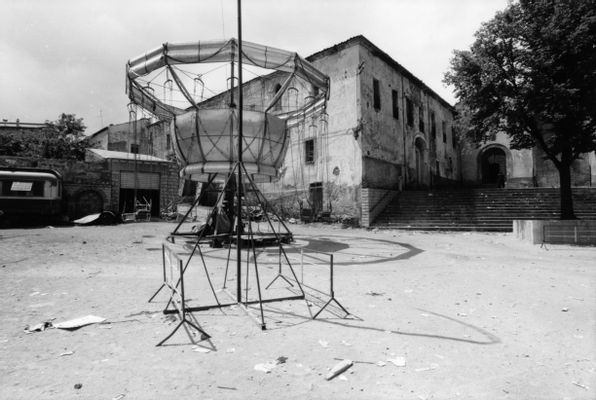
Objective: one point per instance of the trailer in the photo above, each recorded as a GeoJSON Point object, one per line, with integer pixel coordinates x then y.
{"type": "Point", "coordinates": [30, 195]}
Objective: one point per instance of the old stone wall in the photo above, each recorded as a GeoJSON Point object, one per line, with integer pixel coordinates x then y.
{"type": "Point", "coordinates": [547, 174]}
{"type": "Point", "coordinates": [400, 116]}
{"type": "Point", "coordinates": [86, 186]}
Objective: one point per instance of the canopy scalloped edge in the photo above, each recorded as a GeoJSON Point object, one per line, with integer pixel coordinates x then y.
{"type": "Point", "coordinates": [212, 52]}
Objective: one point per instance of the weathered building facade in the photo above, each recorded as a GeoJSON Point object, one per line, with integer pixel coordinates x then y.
{"type": "Point", "coordinates": [482, 165]}
{"type": "Point", "coordinates": [383, 130]}
{"type": "Point", "coordinates": [140, 136]}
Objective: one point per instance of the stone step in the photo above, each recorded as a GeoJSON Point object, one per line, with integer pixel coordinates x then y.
{"type": "Point", "coordinates": [480, 209]}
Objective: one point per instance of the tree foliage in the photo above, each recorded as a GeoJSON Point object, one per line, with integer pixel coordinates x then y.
{"type": "Point", "coordinates": [60, 139]}
{"type": "Point", "coordinates": [531, 73]}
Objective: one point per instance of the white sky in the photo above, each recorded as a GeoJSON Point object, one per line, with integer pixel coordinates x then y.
{"type": "Point", "coordinates": [70, 55]}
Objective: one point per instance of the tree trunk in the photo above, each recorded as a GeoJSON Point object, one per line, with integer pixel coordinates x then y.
{"type": "Point", "coordinates": [565, 191]}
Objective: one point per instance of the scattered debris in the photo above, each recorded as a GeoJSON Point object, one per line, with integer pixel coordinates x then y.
{"type": "Point", "coordinates": [227, 387]}
{"type": "Point", "coordinates": [79, 322]}
{"type": "Point", "coordinates": [200, 349]}
{"type": "Point", "coordinates": [282, 359]}
{"type": "Point", "coordinates": [119, 397]}
{"type": "Point", "coordinates": [345, 343]}
{"type": "Point", "coordinates": [39, 327]}
{"type": "Point", "coordinates": [67, 353]}
{"type": "Point", "coordinates": [265, 367]}
{"type": "Point", "coordinates": [371, 293]}
{"type": "Point", "coordinates": [342, 378]}
{"type": "Point", "coordinates": [580, 385]}
{"type": "Point", "coordinates": [339, 368]}
{"type": "Point", "coordinates": [78, 386]}
{"type": "Point", "coordinates": [230, 350]}
{"type": "Point", "coordinates": [565, 309]}
{"type": "Point", "coordinates": [398, 361]}
{"type": "Point", "coordinates": [381, 364]}
{"type": "Point", "coordinates": [430, 368]}
{"type": "Point", "coordinates": [323, 343]}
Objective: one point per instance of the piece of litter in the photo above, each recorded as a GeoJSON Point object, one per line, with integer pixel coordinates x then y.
{"type": "Point", "coordinates": [432, 367]}
{"type": "Point", "coordinates": [580, 385]}
{"type": "Point", "coordinates": [398, 361]}
{"type": "Point", "coordinates": [424, 315]}
{"type": "Point", "coordinates": [227, 387]}
{"type": "Point", "coordinates": [342, 378]}
{"type": "Point", "coordinates": [339, 368]}
{"type": "Point", "coordinates": [199, 349]}
{"type": "Point", "coordinates": [119, 397]}
{"type": "Point", "coordinates": [39, 327]}
{"type": "Point", "coordinates": [323, 343]}
{"type": "Point", "coordinates": [345, 343]}
{"type": "Point", "coordinates": [462, 314]}
{"type": "Point", "coordinates": [78, 385]}
{"type": "Point", "coordinates": [67, 353]}
{"type": "Point", "coordinates": [79, 322]}
{"type": "Point", "coordinates": [380, 364]}
{"type": "Point", "coordinates": [230, 350]}
{"type": "Point", "coordinates": [565, 309]}
{"type": "Point", "coordinates": [282, 360]}
{"type": "Point", "coordinates": [265, 367]}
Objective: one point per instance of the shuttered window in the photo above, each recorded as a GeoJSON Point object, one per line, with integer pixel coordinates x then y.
{"type": "Point", "coordinates": [145, 180]}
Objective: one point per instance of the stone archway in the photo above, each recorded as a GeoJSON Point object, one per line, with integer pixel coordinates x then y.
{"type": "Point", "coordinates": [493, 166]}
{"type": "Point", "coordinates": [420, 170]}
{"type": "Point", "coordinates": [87, 202]}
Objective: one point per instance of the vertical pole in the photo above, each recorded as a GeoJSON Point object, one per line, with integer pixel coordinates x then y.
{"type": "Point", "coordinates": [239, 181]}
{"type": "Point", "coordinates": [183, 305]}
{"type": "Point", "coordinates": [332, 293]}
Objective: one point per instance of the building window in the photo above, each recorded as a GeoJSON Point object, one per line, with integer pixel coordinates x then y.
{"type": "Point", "coordinates": [444, 130]}
{"type": "Point", "coordinates": [376, 95]}
{"type": "Point", "coordinates": [309, 151]}
{"type": "Point", "coordinates": [421, 119]}
{"type": "Point", "coordinates": [433, 124]}
{"type": "Point", "coordinates": [168, 142]}
{"type": "Point", "coordinates": [395, 104]}
{"type": "Point", "coordinates": [409, 112]}
{"type": "Point", "coordinates": [134, 148]}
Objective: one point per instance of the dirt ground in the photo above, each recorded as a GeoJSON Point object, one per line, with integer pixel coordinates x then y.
{"type": "Point", "coordinates": [471, 315]}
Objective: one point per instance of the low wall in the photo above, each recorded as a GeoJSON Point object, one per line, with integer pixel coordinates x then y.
{"type": "Point", "coordinates": [374, 202]}
{"type": "Point", "coordinates": [578, 232]}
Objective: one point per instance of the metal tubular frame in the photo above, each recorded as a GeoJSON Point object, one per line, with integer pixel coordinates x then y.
{"type": "Point", "coordinates": [249, 237]}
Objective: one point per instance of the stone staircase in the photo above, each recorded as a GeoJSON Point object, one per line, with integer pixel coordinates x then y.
{"type": "Point", "coordinates": [482, 209]}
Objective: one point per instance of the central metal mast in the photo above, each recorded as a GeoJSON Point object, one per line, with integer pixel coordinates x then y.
{"type": "Point", "coordinates": [239, 165]}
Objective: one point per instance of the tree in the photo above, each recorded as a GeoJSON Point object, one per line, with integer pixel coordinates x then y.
{"type": "Point", "coordinates": [61, 139]}
{"type": "Point", "coordinates": [531, 73]}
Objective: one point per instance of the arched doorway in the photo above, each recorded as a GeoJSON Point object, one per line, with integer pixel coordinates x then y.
{"type": "Point", "coordinates": [493, 164]}
{"type": "Point", "coordinates": [419, 153]}
{"type": "Point", "coordinates": [88, 202]}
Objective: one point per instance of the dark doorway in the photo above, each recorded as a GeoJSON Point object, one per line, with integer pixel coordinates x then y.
{"type": "Point", "coordinates": [316, 197]}
{"type": "Point", "coordinates": [127, 203]}
{"type": "Point", "coordinates": [88, 202]}
{"type": "Point", "coordinates": [494, 166]}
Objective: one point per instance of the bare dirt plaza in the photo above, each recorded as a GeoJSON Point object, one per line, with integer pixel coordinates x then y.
{"type": "Point", "coordinates": [434, 316]}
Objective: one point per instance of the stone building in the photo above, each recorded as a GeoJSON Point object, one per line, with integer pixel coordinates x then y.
{"type": "Point", "coordinates": [141, 137]}
{"type": "Point", "coordinates": [482, 165]}
{"type": "Point", "coordinates": [383, 130]}
{"type": "Point", "coordinates": [108, 179]}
